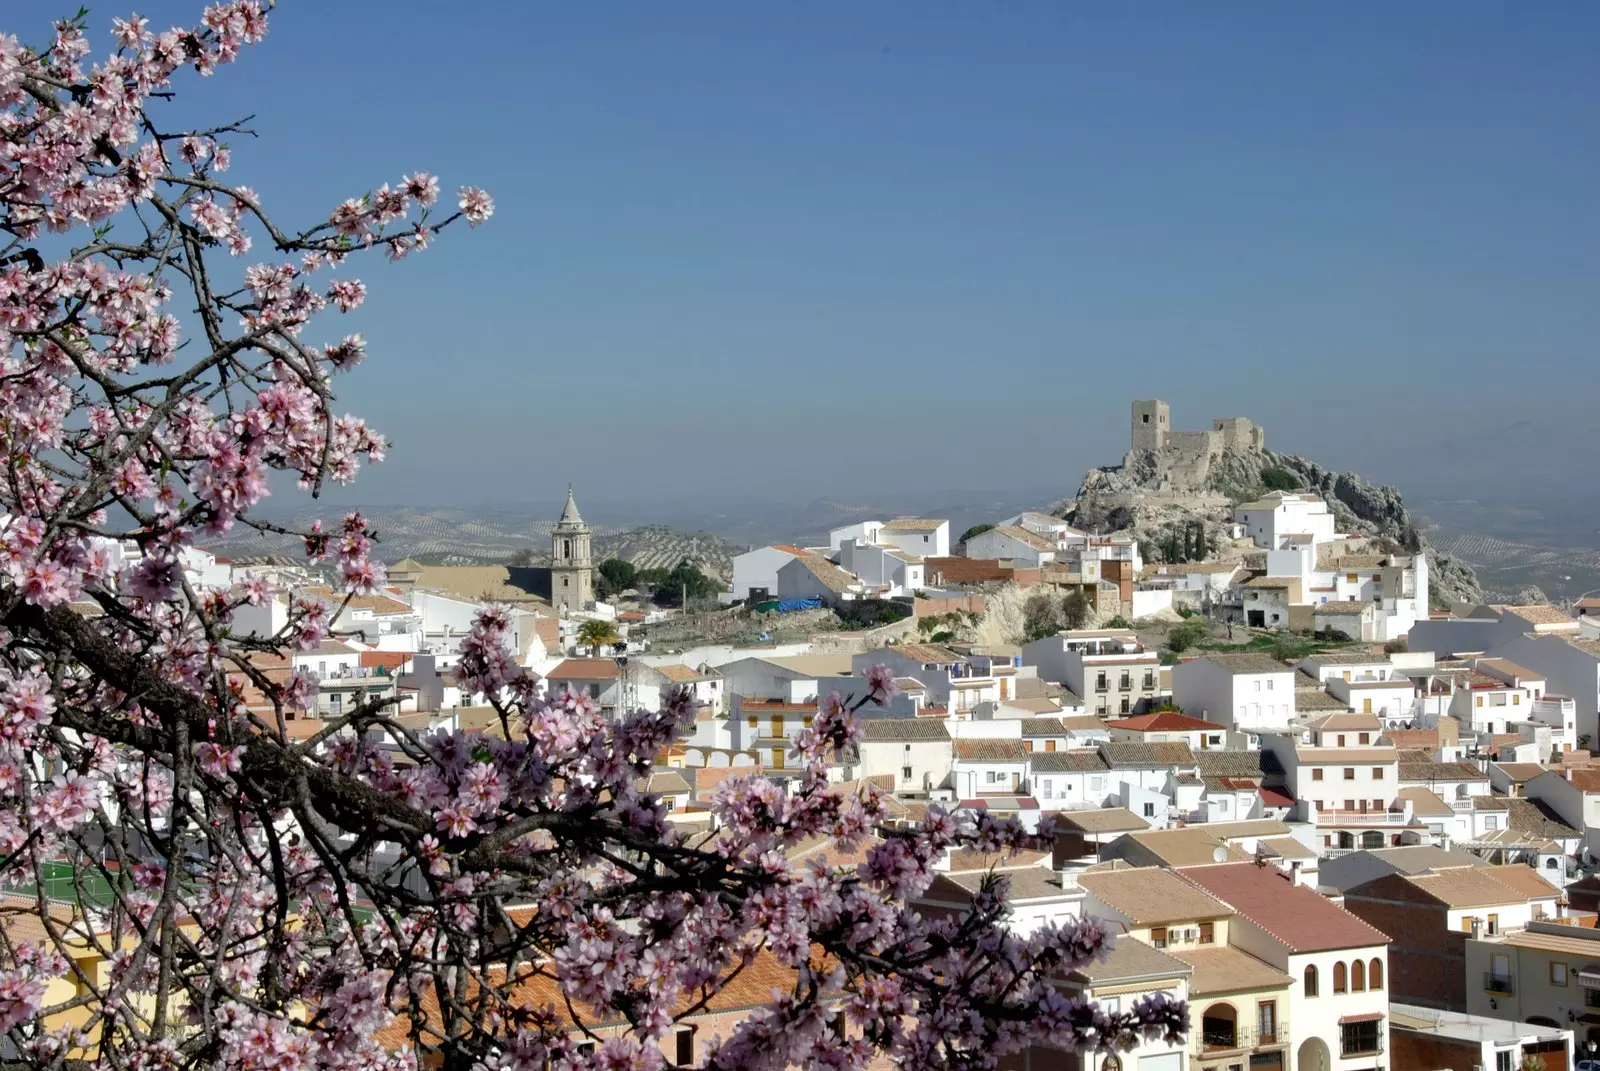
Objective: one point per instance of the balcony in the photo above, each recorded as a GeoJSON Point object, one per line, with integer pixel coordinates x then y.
{"type": "Point", "coordinates": [1366, 1041]}
{"type": "Point", "coordinates": [1499, 985]}
{"type": "Point", "coordinates": [1217, 1037]}
{"type": "Point", "coordinates": [1362, 818]}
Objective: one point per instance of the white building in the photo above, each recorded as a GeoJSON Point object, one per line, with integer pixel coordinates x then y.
{"type": "Point", "coordinates": [890, 571]}
{"type": "Point", "coordinates": [1338, 1001]}
{"type": "Point", "coordinates": [923, 537]}
{"type": "Point", "coordinates": [1014, 544]}
{"type": "Point", "coordinates": [1270, 520]}
{"type": "Point", "coordinates": [915, 752]}
{"type": "Point", "coordinates": [1249, 692]}
{"type": "Point", "coordinates": [1108, 668]}
{"type": "Point", "coordinates": [757, 570]}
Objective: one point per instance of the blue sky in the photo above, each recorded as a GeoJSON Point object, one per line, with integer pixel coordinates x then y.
{"type": "Point", "coordinates": [834, 248]}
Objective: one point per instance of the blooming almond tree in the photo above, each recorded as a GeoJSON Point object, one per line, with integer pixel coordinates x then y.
{"type": "Point", "coordinates": [192, 882]}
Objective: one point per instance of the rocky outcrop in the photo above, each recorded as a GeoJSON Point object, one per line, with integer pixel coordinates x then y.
{"type": "Point", "coordinates": [1146, 497]}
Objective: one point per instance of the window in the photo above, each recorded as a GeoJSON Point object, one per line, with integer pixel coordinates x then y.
{"type": "Point", "coordinates": [1340, 982]}
{"type": "Point", "coordinates": [1049, 745]}
{"type": "Point", "coordinates": [1208, 933]}
{"type": "Point", "coordinates": [684, 1057]}
{"type": "Point", "coordinates": [1158, 936]}
{"type": "Point", "coordinates": [777, 758]}
{"type": "Point", "coordinates": [1558, 974]}
{"type": "Point", "coordinates": [1111, 1005]}
{"type": "Point", "coordinates": [905, 773]}
{"type": "Point", "coordinates": [1365, 738]}
{"type": "Point", "coordinates": [1466, 923]}
{"type": "Point", "coordinates": [1269, 684]}
{"type": "Point", "coordinates": [1100, 682]}
{"type": "Point", "coordinates": [1258, 686]}
{"type": "Point", "coordinates": [1316, 774]}
{"type": "Point", "coordinates": [1491, 821]}
{"type": "Point", "coordinates": [752, 721]}
{"type": "Point", "coordinates": [1516, 699]}
{"type": "Point", "coordinates": [1358, 972]}
{"type": "Point", "coordinates": [1149, 810]}
{"type": "Point", "coordinates": [1366, 706]}
{"type": "Point", "coordinates": [990, 777]}
{"type": "Point", "coordinates": [1149, 680]}
{"type": "Point", "coordinates": [1375, 974]}
{"type": "Point", "coordinates": [1341, 740]}
{"type": "Point", "coordinates": [1027, 745]}
{"type": "Point", "coordinates": [1377, 773]}
{"type": "Point", "coordinates": [1266, 1022]}
{"type": "Point", "coordinates": [1494, 925]}
{"type": "Point", "coordinates": [1356, 1039]}
{"type": "Point", "coordinates": [1479, 702]}
{"type": "Point", "coordinates": [1311, 982]}
{"type": "Point", "coordinates": [1349, 773]}
{"type": "Point", "coordinates": [1502, 1061]}
{"type": "Point", "coordinates": [1126, 682]}
{"type": "Point", "coordinates": [1124, 704]}
{"type": "Point", "coordinates": [1352, 578]}
{"type": "Point", "coordinates": [1049, 789]}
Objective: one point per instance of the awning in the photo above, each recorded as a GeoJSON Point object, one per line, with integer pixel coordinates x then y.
{"type": "Point", "coordinates": [1589, 976]}
{"type": "Point", "coordinates": [1366, 1017]}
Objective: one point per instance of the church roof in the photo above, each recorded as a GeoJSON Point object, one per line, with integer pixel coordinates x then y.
{"type": "Point", "coordinates": [570, 514]}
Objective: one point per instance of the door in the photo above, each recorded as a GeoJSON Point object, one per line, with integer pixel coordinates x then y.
{"type": "Point", "coordinates": [777, 725]}
{"type": "Point", "coordinates": [1366, 706]}
{"type": "Point", "coordinates": [1005, 688]}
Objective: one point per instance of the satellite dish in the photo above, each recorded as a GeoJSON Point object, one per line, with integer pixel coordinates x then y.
{"type": "Point", "coordinates": [1220, 855]}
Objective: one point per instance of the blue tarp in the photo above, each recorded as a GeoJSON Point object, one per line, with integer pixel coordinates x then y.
{"type": "Point", "coordinates": [789, 606]}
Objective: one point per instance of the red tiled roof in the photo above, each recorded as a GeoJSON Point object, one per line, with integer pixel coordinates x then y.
{"type": "Point", "coordinates": [1275, 797]}
{"type": "Point", "coordinates": [1298, 916]}
{"type": "Point", "coordinates": [1165, 720]}
{"type": "Point", "coordinates": [390, 660]}
{"type": "Point", "coordinates": [586, 669]}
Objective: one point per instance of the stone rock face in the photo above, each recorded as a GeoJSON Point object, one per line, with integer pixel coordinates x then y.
{"type": "Point", "coordinates": [1146, 497]}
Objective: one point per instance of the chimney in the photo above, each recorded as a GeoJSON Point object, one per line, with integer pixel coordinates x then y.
{"type": "Point", "coordinates": [1069, 878]}
{"type": "Point", "coordinates": [1477, 927]}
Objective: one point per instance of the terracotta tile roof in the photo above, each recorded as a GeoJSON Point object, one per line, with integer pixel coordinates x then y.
{"type": "Point", "coordinates": [1152, 895]}
{"type": "Point", "coordinates": [902, 730]}
{"type": "Point", "coordinates": [1038, 727]}
{"type": "Point", "coordinates": [1101, 820]}
{"type": "Point", "coordinates": [1297, 916]}
{"type": "Point", "coordinates": [1509, 668]}
{"type": "Point", "coordinates": [1248, 662]}
{"type": "Point", "coordinates": [1519, 772]}
{"type": "Point", "coordinates": [912, 524]}
{"type": "Point", "coordinates": [1229, 763]}
{"type": "Point", "coordinates": [1123, 754]}
{"type": "Point", "coordinates": [1346, 723]}
{"type": "Point", "coordinates": [1425, 803]}
{"type": "Point", "coordinates": [1075, 761]}
{"type": "Point", "coordinates": [1229, 970]}
{"type": "Point", "coordinates": [1441, 771]}
{"type": "Point", "coordinates": [586, 669]}
{"type": "Point", "coordinates": [1131, 960]}
{"type": "Point", "coordinates": [1185, 846]}
{"type": "Point", "coordinates": [1347, 658]}
{"type": "Point", "coordinates": [968, 860]}
{"type": "Point", "coordinates": [926, 653]}
{"type": "Point", "coordinates": [1523, 880]}
{"type": "Point", "coordinates": [1427, 739]}
{"type": "Point", "coordinates": [1025, 537]}
{"type": "Point", "coordinates": [1543, 614]}
{"type": "Point", "coordinates": [1166, 721]}
{"type": "Point", "coordinates": [828, 574]}
{"type": "Point", "coordinates": [390, 660]}
{"type": "Point", "coordinates": [1285, 848]}
{"type": "Point", "coordinates": [1269, 582]}
{"type": "Point", "coordinates": [1471, 886]}
{"type": "Point", "coordinates": [1341, 609]}
{"type": "Point", "coordinates": [380, 604]}
{"type": "Point", "coordinates": [679, 674]}
{"type": "Point", "coordinates": [990, 750]}
{"type": "Point", "coordinates": [1538, 818]}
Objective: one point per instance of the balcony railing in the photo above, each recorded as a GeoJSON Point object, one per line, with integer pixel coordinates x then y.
{"type": "Point", "coordinates": [1236, 1039]}
{"type": "Point", "coordinates": [1365, 1047]}
{"type": "Point", "coordinates": [1361, 818]}
{"type": "Point", "coordinates": [1496, 983]}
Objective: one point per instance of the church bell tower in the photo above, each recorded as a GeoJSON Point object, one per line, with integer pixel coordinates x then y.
{"type": "Point", "coordinates": [571, 571]}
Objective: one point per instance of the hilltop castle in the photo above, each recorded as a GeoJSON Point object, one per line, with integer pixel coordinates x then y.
{"type": "Point", "coordinates": [1189, 454]}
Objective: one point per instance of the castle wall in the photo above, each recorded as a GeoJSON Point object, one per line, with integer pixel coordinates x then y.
{"type": "Point", "coordinates": [1188, 454]}
{"type": "Point", "coordinates": [1152, 420]}
{"type": "Point", "coordinates": [1238, 433]}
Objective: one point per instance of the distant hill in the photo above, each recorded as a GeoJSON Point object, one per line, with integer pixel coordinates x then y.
{"type": "Point", "coordinates": [468, 536]}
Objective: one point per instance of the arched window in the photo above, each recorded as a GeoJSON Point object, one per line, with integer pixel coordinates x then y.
{"type": "Point", "coordinates": [1358, 977]}
{"type": "Point", "coordinates": [1551, 864]}
{"type": "Point", "coordinates": [1311, 981]}
{"type": "Point", "coordinates": [1339, 979]}
{"type": "Point", "coordinates": [1375, 974]}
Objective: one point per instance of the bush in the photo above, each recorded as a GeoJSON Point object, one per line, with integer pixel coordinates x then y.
{"type": "Point", "coordinates": [1185, 635]}
{"type": "Point", "coordinates": [1276, 479]}
{"type": "Point", "coordinates": [1119, 622]}
{"type": "Point", "coordinates": [975, 530]}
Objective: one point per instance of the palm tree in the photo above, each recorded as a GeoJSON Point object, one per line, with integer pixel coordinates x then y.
{"type": "Point", "coordinates": [595, 634]}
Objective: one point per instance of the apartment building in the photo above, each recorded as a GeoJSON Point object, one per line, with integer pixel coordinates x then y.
{"type": "Point", "coordinates": [1109, 668]}
{"type": "Point", "coordinates": [1547, 974]}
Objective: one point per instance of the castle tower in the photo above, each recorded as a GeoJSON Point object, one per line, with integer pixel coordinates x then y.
{"type": "Point", "coordinates": [571, 571]}
{"type": "Point", "coordinates": [1151, 421]}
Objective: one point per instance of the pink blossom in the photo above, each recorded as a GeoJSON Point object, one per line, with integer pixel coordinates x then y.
{"type": "Point", "coordinates": [476, 205]}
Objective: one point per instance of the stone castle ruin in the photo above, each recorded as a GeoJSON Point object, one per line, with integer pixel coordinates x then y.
{"type": "Point", "coordinates": [1187, 455]}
